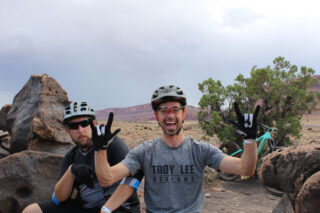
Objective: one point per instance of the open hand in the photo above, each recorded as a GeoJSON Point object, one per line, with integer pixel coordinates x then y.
{"type": "Point", "coordinates": [102, 136]}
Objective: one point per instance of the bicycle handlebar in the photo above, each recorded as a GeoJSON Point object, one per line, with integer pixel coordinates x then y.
{"type": "Point", "coordinates": [267, 127]}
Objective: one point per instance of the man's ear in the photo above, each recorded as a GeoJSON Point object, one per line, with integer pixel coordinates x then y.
{"type": "Point", "coordinates": [156, 115]}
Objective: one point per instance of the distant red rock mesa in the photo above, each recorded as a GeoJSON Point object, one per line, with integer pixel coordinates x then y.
{"type": "Point", "coordinates": [142, 112]}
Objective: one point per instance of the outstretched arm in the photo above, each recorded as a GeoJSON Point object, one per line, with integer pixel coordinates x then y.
{"type": "Point", "coordinates": [247, 128]}
{"type": "Point", "coordinates": [244, 166]}
{"type": "Point", "coordinates": [108, 175]}
{"type": "Point", "coordinates": [102, 137]}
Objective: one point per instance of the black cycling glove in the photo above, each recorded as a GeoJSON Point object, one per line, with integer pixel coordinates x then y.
{"type": "Point", "coordinates": [101, 135]}
{"type": "Point", "coordinates": [247, 125]}
{"type": "Point", "coordinates": [84, 174]}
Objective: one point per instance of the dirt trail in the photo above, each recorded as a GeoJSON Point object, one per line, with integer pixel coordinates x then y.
{"type": "Point", "coordinates": [239, 196]}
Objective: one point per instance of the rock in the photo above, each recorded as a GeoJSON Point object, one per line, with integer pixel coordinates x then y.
{"type": "Point", "coordinates": [35, 117]}
{"type": "Point", "coordinates": [27, 177]}
{"type": "Point", "coordinates": [3, 134]}
{"type": "Point", "coordinates": [3, 153]}
{"type": "Point", "coordinates": [3, 116]}
{"type": "Point", "coordinates": [290, 168]}
{"type": "Point", "coordinates": [308, 199]}
{"type": "Point", "coordinates": [284, 206]}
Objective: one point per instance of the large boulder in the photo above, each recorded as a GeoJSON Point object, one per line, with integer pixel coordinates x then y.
{"type": "Point", "coordinates": [3, 116]}
{"type": "Point", "coordinates": [35, 117]}
{"type": "Point", "coordinates": [308, 199]}
{"type": "Point", "coordinates": [27, 177]}
{"type": "Point", "coordinates": [288, 169]}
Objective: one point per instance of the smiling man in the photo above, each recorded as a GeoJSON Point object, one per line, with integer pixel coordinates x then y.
{"type": "Point", "coordinates": [173, 164]}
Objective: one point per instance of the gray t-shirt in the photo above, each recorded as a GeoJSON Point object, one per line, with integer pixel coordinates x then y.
{"type": "Point", "coordinates": [173, 176]}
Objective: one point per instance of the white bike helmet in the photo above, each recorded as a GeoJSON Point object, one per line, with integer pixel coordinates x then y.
{"type": "Point", "coordinates": [78, 109]}
{"type": "Point", "coordinates": [168, 93]}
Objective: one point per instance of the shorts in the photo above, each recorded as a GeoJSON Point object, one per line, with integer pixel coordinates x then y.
{"type": "Point", "coordinates": [74, 206]}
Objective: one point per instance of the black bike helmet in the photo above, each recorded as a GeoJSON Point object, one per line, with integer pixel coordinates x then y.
{"type": "Point", "coordinates": [77, 109]}
{"type": "Point", "coordinates": [168, 93]}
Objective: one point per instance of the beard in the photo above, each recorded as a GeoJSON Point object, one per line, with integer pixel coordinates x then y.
{"type": "Point", "coordinates": [86, 145]}
{"type": "Point", "coordinates": [171, 127]}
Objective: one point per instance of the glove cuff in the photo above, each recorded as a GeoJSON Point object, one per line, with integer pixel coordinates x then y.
{"type": "Point", "coordinates": [96, 149]}
{"type": "Point", "coordinates": [249, 141]}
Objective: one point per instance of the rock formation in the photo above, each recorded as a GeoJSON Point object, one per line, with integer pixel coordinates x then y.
{"type": "Point", "coordinates": [294, 170]}
{"type": "Point", "coordinates": [34, 118]}
{"type": "Point", "coordinates": [3, 116]}
{"type": "Point", "coordinates": [308, 199]}
{"type": "Point", "coordinates": [27, 177]}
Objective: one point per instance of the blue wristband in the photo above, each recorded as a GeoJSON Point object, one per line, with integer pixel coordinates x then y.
{"type": "Point", "coordinates": [54, 199]}
{"type": "Point", "coordinates": [131, 181]}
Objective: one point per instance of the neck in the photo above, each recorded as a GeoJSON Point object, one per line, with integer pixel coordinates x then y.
{"type": "Point", "coordinates": [85, 148]}
{"type": "Point", "coordinates": [173, 140]}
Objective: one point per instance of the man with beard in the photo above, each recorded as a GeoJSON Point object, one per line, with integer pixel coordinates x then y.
{"type": "Point", "coordinates": [80, 168]}
{"type": "Point", "coordinates": [173, 164]}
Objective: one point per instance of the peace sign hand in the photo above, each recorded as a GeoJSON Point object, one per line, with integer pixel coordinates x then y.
{"type": "Point", "coordinates": [101, 134]}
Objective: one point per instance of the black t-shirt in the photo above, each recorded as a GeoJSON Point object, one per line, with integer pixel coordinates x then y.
{"type": "Point", "coordinates": [98, 195]}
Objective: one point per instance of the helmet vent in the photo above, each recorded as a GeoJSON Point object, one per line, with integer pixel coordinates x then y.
{"type": "Point", "coordinates": [77, 109]}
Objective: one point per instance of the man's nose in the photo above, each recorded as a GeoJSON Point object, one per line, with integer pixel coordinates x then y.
{"type": "Point", "coordinates": [80, 128]}
{"type": "Point", "coordinates": [171, 114]}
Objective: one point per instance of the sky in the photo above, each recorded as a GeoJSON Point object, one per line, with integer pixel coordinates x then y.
{"type": "Point", "coordinates": [117, 53]}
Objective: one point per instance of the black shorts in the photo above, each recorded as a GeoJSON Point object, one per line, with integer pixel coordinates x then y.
{"type": "Point", "coordinates": [74, 206]}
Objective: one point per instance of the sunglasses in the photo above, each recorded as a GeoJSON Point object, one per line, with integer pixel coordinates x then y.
{"type": "Point", "coordinates": [75, 125]}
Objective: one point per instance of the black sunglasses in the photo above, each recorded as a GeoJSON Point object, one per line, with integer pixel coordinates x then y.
{"type": "Point", "coordinates": [75, 125]}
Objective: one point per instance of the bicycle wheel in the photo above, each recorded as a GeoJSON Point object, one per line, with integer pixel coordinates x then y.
{"type": "Point", "coordinates": [229, 148]}
{"type": "Point", "coordinates": [271, 190]}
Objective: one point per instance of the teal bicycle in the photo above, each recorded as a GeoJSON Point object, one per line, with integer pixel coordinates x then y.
{"type": "Point", "coordinates": [233, 149]}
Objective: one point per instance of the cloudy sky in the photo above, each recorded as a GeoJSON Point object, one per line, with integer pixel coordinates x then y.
{"type": "Point", "coordinates": [116, 53]}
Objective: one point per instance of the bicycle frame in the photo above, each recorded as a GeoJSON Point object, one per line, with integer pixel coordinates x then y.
{"type": "Point", "coordinates": [262, 139]}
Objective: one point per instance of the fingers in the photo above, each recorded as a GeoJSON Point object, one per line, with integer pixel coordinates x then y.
{"type": "Point", "coordinates": [113, 135]}
{"type": "Point", "coordinates": [116, 132]}
{"type": "Point", "coordinates": [256, 112]}
{"type": "Point", "coordinates": [93, 129]}
{"type": "Point", "coordinates": [238, 112]}
{"type": "Point", "coordinates": [102, 129]}
{"type": "Point", "coordinates": [110, 120]}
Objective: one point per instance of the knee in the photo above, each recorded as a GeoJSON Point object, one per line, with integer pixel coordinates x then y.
{"type": "Point", "coordinates": [32, 208]}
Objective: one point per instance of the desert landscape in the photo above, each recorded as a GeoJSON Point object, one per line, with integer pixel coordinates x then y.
{"type": "Point", "coordinates": [246, 195]}
{"type": "Point", "coordinates": [42, 140]}
{"type": "Point", "coordinates": [135, 132]}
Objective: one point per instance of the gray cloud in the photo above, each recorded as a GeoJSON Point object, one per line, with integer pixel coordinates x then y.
{"type": "Point", "coordinates": [239, 17]}
{"type": "Point", "coordinates": [116, 53]}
